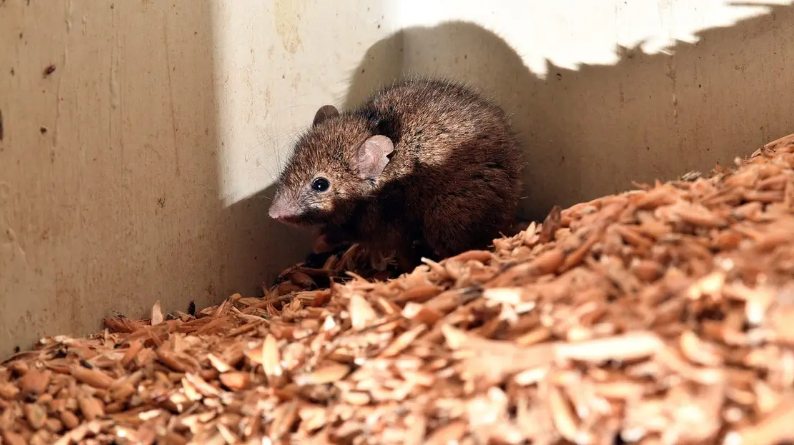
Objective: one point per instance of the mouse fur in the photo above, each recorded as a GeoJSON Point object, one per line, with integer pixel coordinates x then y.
{"type": "Point", "coordinates": [425, 167]}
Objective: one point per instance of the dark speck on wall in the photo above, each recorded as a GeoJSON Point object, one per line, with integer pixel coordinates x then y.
{"type": "Point", "coordinates": [49, 70]}
{"type": "Point", "coordinates": [43, 130]}
{"type": "Point", "coordinates": [191, 308]}
{"type": "Point", "coordinates": [161, 202]}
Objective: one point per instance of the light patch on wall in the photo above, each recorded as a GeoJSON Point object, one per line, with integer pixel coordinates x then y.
{"type": "Point", "coordinates": [567, 33]}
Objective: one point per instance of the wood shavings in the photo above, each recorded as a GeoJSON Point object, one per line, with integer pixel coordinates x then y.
{"type": "Point", "coordinates": [658, 316]}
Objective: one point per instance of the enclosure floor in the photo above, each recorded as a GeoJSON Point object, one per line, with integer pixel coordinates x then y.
{"type": "Point", "coordinates": [661, 315]}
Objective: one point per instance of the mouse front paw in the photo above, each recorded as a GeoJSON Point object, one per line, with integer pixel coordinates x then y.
{"type": "Point", "coordinates": [326, 240]}
{"type": "Point", "coordinates": [321, 245]}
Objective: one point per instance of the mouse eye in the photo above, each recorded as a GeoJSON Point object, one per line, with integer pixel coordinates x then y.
{"type": "Point", "coordinates": [320, 184]}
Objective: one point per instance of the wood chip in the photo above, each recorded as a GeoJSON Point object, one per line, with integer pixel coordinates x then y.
{"type": "Point", "coordinates": [157, 314]}
{"type": "Point", "coordinates": [236, 381]}
{"type": "Point", "coordinates": [271, 359]}
{"type": "Point", "coordinates": [91, 407]}
{"type": "Point", "coordinates": [328, 373]}
{"type": "Point", "coordinates": [625, 347]}
{"type": "Point", "coordinates": [35, 382]}
{"type": "Point", "coordinates": [69, 420]}
{"type": "Point", "coordinates": [36, 415]}
{"type": "Point", "coordinates": [91, 377]}
{"type": "Point", "coordinates": [361, 313]}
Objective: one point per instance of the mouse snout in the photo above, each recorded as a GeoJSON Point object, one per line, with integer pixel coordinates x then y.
{"type": "Point", "coordinates": [281, 209]}
{"type": "Point", "coordinates": [277, 211]}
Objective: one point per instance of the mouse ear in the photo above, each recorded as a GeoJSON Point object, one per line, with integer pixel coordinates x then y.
{"type": "Point", "coordinates": [324, 113]}
{"type": "Point", "coordinates": [372, 156]}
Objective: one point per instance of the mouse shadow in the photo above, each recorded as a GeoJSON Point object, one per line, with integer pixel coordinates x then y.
{"type": "Point", "coordinates": [594, 130]}
{"type": "Point", "coordinates": [259, 246]}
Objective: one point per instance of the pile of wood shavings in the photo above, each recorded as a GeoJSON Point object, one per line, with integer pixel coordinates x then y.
{"type": "Point", "coordinates": [320, 270]}
{"type": "Point", "coordinates": [664, 315]}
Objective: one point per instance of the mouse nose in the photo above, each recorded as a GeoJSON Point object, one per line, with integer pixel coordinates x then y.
{"type": "Point", "coordinates": [276, 211]}
{"type": "Point", "coordinates": [279, 210]}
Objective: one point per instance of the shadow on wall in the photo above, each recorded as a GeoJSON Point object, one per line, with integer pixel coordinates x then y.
{"type": "Point", "coordinates": [258, 245]}
{"type": "Point", "coordinates": [592, 131]}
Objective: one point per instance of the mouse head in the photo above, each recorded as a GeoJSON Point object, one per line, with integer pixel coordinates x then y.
{"type": "Point", "coordinates": [335, 166]}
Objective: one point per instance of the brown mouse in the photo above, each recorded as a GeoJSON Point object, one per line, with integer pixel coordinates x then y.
{"type": "Point", "coordinates": [425, 167]}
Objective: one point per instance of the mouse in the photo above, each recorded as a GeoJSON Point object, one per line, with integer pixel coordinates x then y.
{"type": "Point", "coordinates": [424, 168]}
